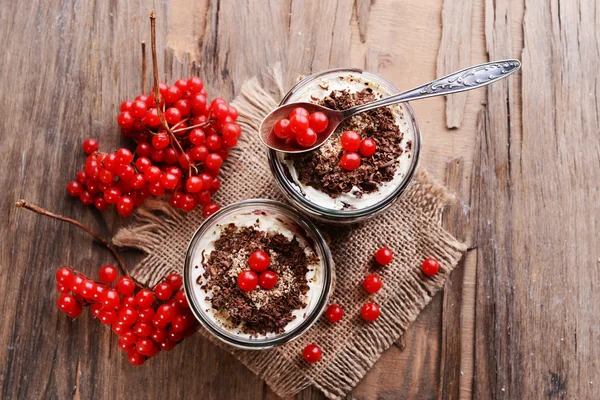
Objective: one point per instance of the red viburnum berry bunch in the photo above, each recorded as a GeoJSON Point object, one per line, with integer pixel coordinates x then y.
{"type": "Point", "coordinates": [146, 321]}
{"type": "Point", "coordinates": [179, 152]}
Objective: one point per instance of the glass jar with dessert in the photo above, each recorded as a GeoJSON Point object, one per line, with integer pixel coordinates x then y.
{"type": "Point", "coordinates": [319, 182]}
{"type": "Point", "coordinates": [257, 274]}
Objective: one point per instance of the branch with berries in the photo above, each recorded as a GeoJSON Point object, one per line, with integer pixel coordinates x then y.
{"type": "Point", "coordinates": [181, 142]}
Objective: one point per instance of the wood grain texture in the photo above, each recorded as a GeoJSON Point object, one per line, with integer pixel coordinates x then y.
{"type": "Point", "coordinates": [455, 52]}
{"type": "Point", "coordinates": [526, 182]}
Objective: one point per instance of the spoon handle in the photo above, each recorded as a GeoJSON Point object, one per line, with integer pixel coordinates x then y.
{"type": "Point", "coordinates": [466, 79]}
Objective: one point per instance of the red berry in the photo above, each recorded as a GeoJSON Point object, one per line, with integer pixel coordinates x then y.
{"type": "Point", "coordinates": [125, 120]}
{"type": "Point", "coordinates": [157, 155]}
{"type": "Point", "coordinates": [160, 141]}
{"type": "Point", "coordinates": [194, 85]}
{"type": "Point", "coordinates": [350, 161]}
{"type": "Point", "coordinates": [193, 184]}
{"type": "Point", "coordinates": [120, 329]}
{"type": "Point", "coordinates": [259, 261]}
{"type": "Point", "coordinates": [81, 177]}
{"type": "Point", "coordinates": [318, 122]}
{"type": "Point", "coordinates": [65, 276]}
{"type": "Point", "coordinates": [143, 150]}
{"type": "Point", "coordinates": [128, 301]}
{"type": "Point", "coordinates": [282, 129]}
{"type": "Point", "coordinates": [334, 313]}
{"type": "Point", "coordinates": [88, 290]}
{"type": "Point", "coordinates": [76, 312]}
{"type": "Point", "coordinates": [111, 299]}
{"type": "Point", "coordinates": [163, 291]}
{"type": "Point", "coordinates": [196, 136]}
{"type": "Point", "coordinates": [143, 329]}
{"type": "Point", "coordinates": [181, 323]}
{"type": "Point", "coordinates": [233, 113]}
{"type": "Point", "coordinates": [171, 156]}
{"type": "Point", "coordinates": [173, 335]}
{"type": "Point", "coordinates": [350, 141]}
{"type": "Point", "coordinates": [90, 146]}
{"type": "Point", "coordinates": [125, 206]}
{"type": "Point", "coordinates": [139, 109]}
{"type": "Point", "coordinates": [152, 174]}
{"type": "Point", "coordinates": [124, 156]}
{"type": "Point", "coordinates": [299, 123]}
{"type": "Point", "coordinates": [100, 292]}
{"type": "Point", "coordinates": [213, 161]}
{"type": "Point", "coordinates": [209, 209]}
{"type": "Point", "coordinates": [231, 130]}
{"type": "Point", "coordinates": [216, 185]}
{"type": "Point", "coordinates": [175, 281]}
{"type": "Point", "coordinates": [146, 314]}
{"type": "Point", "coordinates": [125, 285]}
{"type": "Point", "coordinates": [108, 273]}
{"type": "Point", "coordinates": [168, 181]}
{"type": "Point", "coordinates": [159, 335]}
{"type": "Point", "coordinates": [384, 256]}
{"type": "Point", "coordinates": [172, 94]}
{"type": "Point", "coordinates": [372, 283]}
{"type": "Point", "coordinates": [165, 313]}
{"type": "Point", "coordinates": [107, 317]}
{"type": "Point", "coordinates": [144, 346]}
{"type": "Point", "coordinates": [367, 147]}
{"type": "Point", "coordinates": [167, 345]}
{"type": "Point", "coordinates": [198, 102]}
{"type": "Point", "coordinates": [77, 283]}
{"type": "Point", "coordinates": [306, 138]}
{"type": "Point", "coordinates": [86, 198]}
{"type": "Point", "coordinates": [106, 176]}
{"type": "Point", "coordinates": [62, 288]}
{"type": "Point", "coordinates": [100, 203]}
{"type": "Point", "coordinates": [299, 111]}
{"type": "Point", "coordinates": [370, 312]}
{"type": "Point", "coordinates": [182, 299]}
{"type": "Point", "coordinates": [312, 353]}
{"type": "Point", "coordinates": [134, 358]}
{"type": "Point", "coordinates": [267, 280]}
{"type": "Point", "coordinates": [129, 337]}
{"type": "Point", "coordinates": [173, 115]}
{"type": "Point", "coordinates": [151, 118]}
{"type": "Point", "coordinates": [126, 105]}
{"type": "Point", "coordinates": [213, 142]}
{"type": "Point", "coordinates": [124, 346]}
{"type": "Point", "coordinates": [95, 309]}
{"type": "Point", "coordinates": [74, 188]}
{"type": "Point", "coordinates": [430, 266]}
{"type": "Point", "coordinates": [220, 110]}
{"type": "Point", "coordinates": [128, 316]}
{"type": "Point", "coordinates": [66, 303]}
{"type": "Point", "coordinates": [144, 298]}
{"type": "Point", "coordinates": [247, 280]}
{"type": "Point", "coordinates": [181, 84]}
{"type": "Point", "coordinates": [199, 153]}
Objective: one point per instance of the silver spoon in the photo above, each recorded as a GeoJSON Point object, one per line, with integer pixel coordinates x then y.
{"type": "Point", "coordinates": [466, 79]}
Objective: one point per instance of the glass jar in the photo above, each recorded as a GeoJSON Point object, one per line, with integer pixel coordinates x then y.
{"type": "Point", "coordinates": [302, 91]}
{"type": "Point", "coordinates": [277, 217]}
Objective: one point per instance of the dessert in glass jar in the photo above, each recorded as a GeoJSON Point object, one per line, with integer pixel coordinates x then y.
{"type": "Point", "coordinates": [257, 274]}
{"type": "Point", "coordinates": [318, 183]}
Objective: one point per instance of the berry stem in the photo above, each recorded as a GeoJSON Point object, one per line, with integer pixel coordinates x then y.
{"type": "Point", "coordinates": [157, 96]}
{"type": "Point", "coordinates": [192, 127]}
{"type": "Point", "coordinates": [106, 243]}
{"type": "Point", "coordinates": [144, 73]}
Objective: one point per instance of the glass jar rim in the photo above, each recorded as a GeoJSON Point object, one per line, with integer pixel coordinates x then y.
{"type": "Point", "coordinates": [326, 213]}
{"type": "Point", "coordinates": [321, 248]}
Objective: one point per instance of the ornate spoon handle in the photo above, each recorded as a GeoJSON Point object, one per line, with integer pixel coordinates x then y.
{"type": "Point", "coordinates": [466, 79]}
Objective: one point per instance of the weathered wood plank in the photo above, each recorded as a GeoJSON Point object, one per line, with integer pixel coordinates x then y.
{"type": "Point", "coordinates": [455, 52]}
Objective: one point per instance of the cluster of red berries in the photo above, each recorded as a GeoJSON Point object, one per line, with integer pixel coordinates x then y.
{"type": "Point", "coordinates": [259, 262]}
{"type": "Point", "coordinates": [181, 155]}
{"type": "Point", "coordinates": [146, 321]}
{"type": "Point", "coordinates": [355, 147]}
{"type": "Point", "coordinates": [369, 311]}
{"type": "Point", "coordinates": [301, 127]}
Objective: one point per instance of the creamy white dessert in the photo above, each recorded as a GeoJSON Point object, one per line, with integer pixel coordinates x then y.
{"type": "Point", "coordinates": [269, 223]}
{"type": "Point", "coordinates": [355, 198]}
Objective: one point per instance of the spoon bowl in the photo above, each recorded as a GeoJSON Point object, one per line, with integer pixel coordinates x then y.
{"type": "Point", "coordinates": [289, 146]}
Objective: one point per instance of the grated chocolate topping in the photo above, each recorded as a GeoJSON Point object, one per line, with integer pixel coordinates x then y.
{"type": "Point", "coordinates": [320, 168]}
{"type": "Point", "coordinates": [259, 311]}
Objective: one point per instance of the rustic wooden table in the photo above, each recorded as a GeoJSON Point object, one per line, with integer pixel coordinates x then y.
{"type": "Point", "coordinates": [519, 318]}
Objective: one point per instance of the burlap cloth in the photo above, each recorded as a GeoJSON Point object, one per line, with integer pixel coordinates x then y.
{"type": "Point", "coordinates": [411, 228]}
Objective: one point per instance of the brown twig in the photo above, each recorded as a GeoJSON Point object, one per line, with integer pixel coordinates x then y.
{"type": "Point", "coordinates": [144, 73]}
{"type": "Point", "coordinates": [192, 127]}
{"type": "Point", "coordinates": [157, 96]}
{"type": "Point", "coordinates": [106, 243]}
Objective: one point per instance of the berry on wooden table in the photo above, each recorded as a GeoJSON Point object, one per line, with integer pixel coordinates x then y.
{"type": "Point", "coordinates": [108, 273]}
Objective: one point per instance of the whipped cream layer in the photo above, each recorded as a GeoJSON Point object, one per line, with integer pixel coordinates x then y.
{"type": "Point", "coordinates": [354, 199]}
{"type": "Point", "coordinates": [269, 223]}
